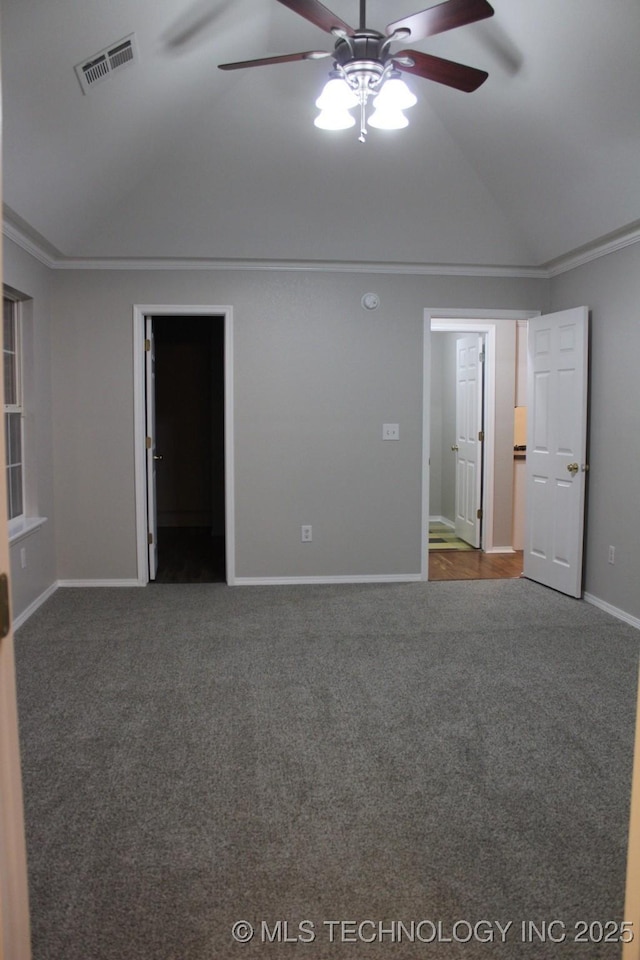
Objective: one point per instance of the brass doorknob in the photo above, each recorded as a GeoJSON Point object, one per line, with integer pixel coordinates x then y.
{"type": "Point", "coordinates": [455, 447]}
{"type": "Point", "coordinates": [573, 468]}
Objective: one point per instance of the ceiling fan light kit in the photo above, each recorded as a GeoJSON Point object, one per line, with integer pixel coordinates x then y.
{"type": "Point", "coordinates": [355, 79]}
{"type": "Point", "coordinates": [364, 67]}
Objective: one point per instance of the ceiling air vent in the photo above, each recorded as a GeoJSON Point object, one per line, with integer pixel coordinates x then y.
{"type": "Point", "coordinates": [102, 65]}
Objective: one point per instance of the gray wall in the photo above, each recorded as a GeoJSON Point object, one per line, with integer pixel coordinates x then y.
{"type": "Point", "coordinates": [316, 376]}
{"type": "Point", "coordinates": [32, 279]}
{"type": "Point", "coordinates": [610, 286]}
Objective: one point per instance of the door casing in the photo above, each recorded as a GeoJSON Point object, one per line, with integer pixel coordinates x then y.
{"type": "Point", "coordinates": [140, 312]}
{"type": "Point", "coordinates": [150, 446]}
{"type": "Point", "coordinates": [468, 321]}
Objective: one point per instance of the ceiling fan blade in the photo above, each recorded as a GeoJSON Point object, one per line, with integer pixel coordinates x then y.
{"type": "Point", "coordinates": [444, 16]}
{"type": "Point", "coordinates": [314, 11]}
{"type": "Point", "coordinates": [449, 72]}
{"type": "Point", "coordinates": [285, 58]}
{"type": "Point", "coordinates": [196, 20]}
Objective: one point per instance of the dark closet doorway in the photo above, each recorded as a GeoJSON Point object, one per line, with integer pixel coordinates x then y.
{"type": "Point", "coordinates": [189, 417]}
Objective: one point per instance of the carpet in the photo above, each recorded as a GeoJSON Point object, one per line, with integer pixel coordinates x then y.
{"type": "Point", "coordinates": [443, 537]}
{"type": "Point", "coordinates": [371, 770]}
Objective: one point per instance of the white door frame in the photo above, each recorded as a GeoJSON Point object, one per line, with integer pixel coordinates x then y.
{"type": "Point", "coordinates": [14, 894]}
{"type": "Point", "coordinates": [449, 320]}
{"type": "Point", "coordinates": [150, 445]}
{"type": "Point", "coordinates": [140, 311]}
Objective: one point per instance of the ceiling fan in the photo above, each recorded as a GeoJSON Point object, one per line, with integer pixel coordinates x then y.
{"type": "Point", "coordinates": [363, 64]}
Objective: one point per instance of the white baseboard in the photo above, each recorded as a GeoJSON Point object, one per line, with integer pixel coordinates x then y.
{"type": "Point", "coordinates": [283, 581]}
{"type": "Point", "coordinates": [31, 609]}
{"type": "Point", "coordinates": [101, 583]}
{"type": "Point", "coordinates": [614, 611]}
{"type": "Point", "coordinates": [500, 550]}
{"type": "Point", "coordinates": [445, 520]}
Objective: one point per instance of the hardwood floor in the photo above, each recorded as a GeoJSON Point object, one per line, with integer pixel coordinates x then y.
{"type": "Point", "coordinates": [474, 565]}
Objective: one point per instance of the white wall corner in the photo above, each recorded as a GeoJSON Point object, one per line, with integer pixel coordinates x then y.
{"type": "Point", "coordinates": [614, 611]}
{"type": "Point", "coordinates": [31, 609]}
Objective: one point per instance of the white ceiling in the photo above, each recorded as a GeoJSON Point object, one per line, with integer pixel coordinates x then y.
{"type": "Point", "coordinates": [173, 158]}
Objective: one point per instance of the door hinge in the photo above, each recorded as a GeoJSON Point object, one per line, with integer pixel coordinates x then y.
{"type": "Point", "coordinates": [479, 513]}
{"type": "Point", "coordinates": [5, 615]}
{"type": "Point", "coordinates": [148, 443]}
{"type": "Point", "coordinates": [481, 356]}
{"type": "Point", "coordinates": [149, 538]}
{"type": "Point", "coordinates": [147, 345]}
{"type": "Point", "coordinates": [481, 436]}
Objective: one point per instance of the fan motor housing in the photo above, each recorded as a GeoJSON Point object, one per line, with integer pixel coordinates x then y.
{"type": "Point", "coordinates": [364, 45]}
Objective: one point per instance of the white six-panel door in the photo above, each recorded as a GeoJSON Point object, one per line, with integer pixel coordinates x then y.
{"type": "Point", "coordinates": [467, 446]}
{"type": "Point", "coordinates": [556, 449]}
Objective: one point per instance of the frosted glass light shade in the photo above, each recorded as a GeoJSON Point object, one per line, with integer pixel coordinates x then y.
{"type": "Point", "coordinates": [334, 119]}
{"type": "Point", "coordinates": [388, 119]}
{"type": "Point", "coordinates": [337, 95]}
{"type": "Point", "coordinates": [395, 95]}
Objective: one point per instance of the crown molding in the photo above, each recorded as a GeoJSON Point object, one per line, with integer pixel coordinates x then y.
{"type": "Point", "coordinates": [600, 248]}
{"type": "Point", "coordinates": [12, 232]}
{"type": "Point", "coordinates": [552, 268]}
{"type": "Point", "coordinates": [307, 266]}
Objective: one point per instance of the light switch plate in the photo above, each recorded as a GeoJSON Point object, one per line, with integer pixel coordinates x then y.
{"type": "Point", "coordinates": [390, 431]}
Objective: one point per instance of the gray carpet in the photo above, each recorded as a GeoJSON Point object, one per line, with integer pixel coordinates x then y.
{"type": "Point", "coordinates": [195, 755]}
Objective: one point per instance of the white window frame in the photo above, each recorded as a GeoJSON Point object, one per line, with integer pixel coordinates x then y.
{"type": "Point", "coordinates": [17, 519]}
{"type": "Point", "coordinates": [27, 520]}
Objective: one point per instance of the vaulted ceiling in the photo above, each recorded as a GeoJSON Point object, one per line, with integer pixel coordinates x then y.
{"type": "Point", "coordinates": [173, 158]}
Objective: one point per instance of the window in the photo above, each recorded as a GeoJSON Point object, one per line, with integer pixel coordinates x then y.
{"type": "Point", "coordinates": [21, 453]}
{"type": "Point", "coordinates": [13, 412]}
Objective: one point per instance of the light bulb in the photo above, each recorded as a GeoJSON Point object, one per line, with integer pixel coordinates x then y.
{"type": "Point", "coordinates": [337, 94]}
{"type": "Point", "coordinates": [386, 118]}
{"type": "Point", "coordinates": [395, 95]}
{"type": "Point", "coordinates": [334, 119]}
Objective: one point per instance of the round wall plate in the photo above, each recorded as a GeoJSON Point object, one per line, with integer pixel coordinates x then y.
{"type": "Point", "coordinates": [370, 301]}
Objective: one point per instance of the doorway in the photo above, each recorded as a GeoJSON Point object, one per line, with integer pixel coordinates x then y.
{"type": "Point", "coordinates": [496, 554]}
{"type": "Point", "coordinates": [189, 448]}
{"type": "Point", "coordinates": [221, 521]}
{"type": "Point", "coordinates": [457, 542]}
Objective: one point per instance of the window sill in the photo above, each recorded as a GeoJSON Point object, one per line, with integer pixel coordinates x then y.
{"type": "Point", "coordinates": [23, 527]}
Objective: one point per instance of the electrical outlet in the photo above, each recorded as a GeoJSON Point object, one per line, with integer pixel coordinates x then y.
{"type": "Point", "coordinates": [390, 431]}
{"type": "Point", "coordinates": [306, 533]}
{"type": "Point", "coordinates": [612, 554]}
